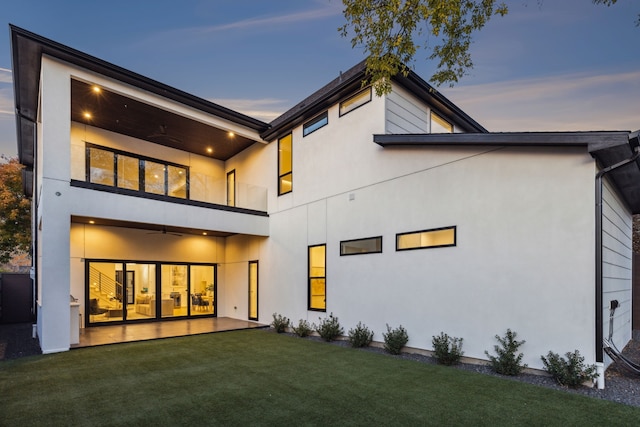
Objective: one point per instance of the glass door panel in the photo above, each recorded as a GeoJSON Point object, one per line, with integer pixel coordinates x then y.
{"type": "Point", "coordinates": [253, 290]}
{"type": "Point", "coordinates": [106, 294]}
{"type": "Point", "coordinates": [142, 292]}
{"type": "Point", "coordinates": [203, 290]}
{"type": "Point", "coordinates": [173, 290]}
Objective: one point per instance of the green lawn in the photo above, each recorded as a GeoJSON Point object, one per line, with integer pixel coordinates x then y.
{"type": "Point", "coordinates": [259, 378]}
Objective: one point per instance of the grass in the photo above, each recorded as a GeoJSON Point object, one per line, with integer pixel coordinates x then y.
{"type": "Point", "coordinates": [258, 378]}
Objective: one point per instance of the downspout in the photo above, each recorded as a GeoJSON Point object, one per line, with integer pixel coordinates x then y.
{"type": "Point", "coordinates": [599, 279]}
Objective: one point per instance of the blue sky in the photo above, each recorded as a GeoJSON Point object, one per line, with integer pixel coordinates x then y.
{"type": "Point", "coordinates": [559, 65]}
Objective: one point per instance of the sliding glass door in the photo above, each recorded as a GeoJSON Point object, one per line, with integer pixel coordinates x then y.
{"type": "Point", "coordinates": [134, 291]}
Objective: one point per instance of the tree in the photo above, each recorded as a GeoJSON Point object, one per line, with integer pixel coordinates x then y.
{"type": "Point", "coordinates": [15, 211]}
{"type": "Point", "coordinates": [387, 30]}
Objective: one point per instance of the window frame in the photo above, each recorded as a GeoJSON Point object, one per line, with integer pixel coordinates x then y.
{"type": "Point", "coordinates": [356, 105]}
{"type": "Point", "coordinates": [438, 118]}
{"type": "Point", "coordinates": [342, 253]}
{"type": "Point", "coordinates": [430, 230]}
{"type": "Point", "coordinates": [314, 125]}
{"type": "Point", "coordinates": [311, 278]}
{"type": "Point", "coordinates": [141, 171]}
{"type": "Point", "coordinates": [289, 173]}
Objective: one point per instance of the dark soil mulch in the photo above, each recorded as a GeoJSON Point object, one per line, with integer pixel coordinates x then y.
{"type": "Point", "coordinates": [16, 341]}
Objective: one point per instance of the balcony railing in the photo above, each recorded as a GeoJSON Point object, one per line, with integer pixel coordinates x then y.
{"type": "Point", "coordinates": [201, 187]}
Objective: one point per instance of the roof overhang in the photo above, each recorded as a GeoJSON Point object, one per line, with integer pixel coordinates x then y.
{"type": "Point", "coordinates": [607, 148]}
{"type": "Point", "coordinates": [27, 52]}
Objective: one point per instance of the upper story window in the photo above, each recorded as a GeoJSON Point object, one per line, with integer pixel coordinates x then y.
{"type": "Point", "coordinates": [434, 238]}
{"type": "Point", "coordinates": [285, 165]}
{"type": "Point", "coordinates": [357, 100]}
{"type": "Point", "coordinates": [315, 124]}
{"type": "Point", "coordinates": [115, 168]}
{"type": "Point", "coordinates": [440, 125]}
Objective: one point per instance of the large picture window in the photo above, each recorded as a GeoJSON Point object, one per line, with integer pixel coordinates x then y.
{"type": "Point", "coordinates": [434, 238]}
{"type": "Point", "coordinates": [317, 278]}
{"type": "Point", "coordinates": [119, 169]}
{"type": "Point", "coordinates": [285, 165]}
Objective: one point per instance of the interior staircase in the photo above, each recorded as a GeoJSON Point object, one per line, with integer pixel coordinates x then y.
{"type": "Point", "coordinates": [106, 290]}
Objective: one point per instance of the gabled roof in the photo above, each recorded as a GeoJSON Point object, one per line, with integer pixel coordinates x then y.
{"type": "Point", "coordinates": [348, 83]}
{"type": "Point", "coordinates": [27, 50]}
{"type": "Point", "coordinates": [607, 147]}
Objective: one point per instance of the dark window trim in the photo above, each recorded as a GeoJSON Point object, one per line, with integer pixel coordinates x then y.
{"type": "Point", "coordinates": [455, 238]}
{"type": "Point", "coordinates": [280, 177]}
{"type": "Point", "coordinates": [87, 321]}
{"type": "Point", "coordinates": [361, 253]}
{"type": "Point", "coordinates": [257, 291]}
{"type": "Point", "coordinates": [321, 117]}
{"type": "Point", "coordinates": [141, 176]}
{"type": "Point", "coordinates": [231, 173]}
{"type": "Point", "coordinates": [162, 198]}
{"type": "Point", "coordinates": [310, 277]}
{"type": "Point", "coordinates": [340, 113]}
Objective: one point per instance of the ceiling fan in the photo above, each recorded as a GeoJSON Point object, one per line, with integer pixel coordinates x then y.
{"type": "Point", "coordinates": [164, 231]}
{"type": "Point", "coordinates": [162, 136]}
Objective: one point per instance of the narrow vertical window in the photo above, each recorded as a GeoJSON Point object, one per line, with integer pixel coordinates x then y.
{"type": "Point", "coordinates": [285, 165]}
{"type": "Point", "coordinates": [231, 188]}
{"type": "Point", "coordinates": [253, 290]}
{"type": "Point", "coordinates": [317, 278]}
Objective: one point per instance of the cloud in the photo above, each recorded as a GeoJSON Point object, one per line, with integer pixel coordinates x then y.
{"type": "Point", "coordinates": [262, 109]}
{"type": "Point", "coordinates": [555, 103]}
{"type": "Point", "coordinates": [5, 76]}
{"type": "Point", "coordinates": [6, 102]}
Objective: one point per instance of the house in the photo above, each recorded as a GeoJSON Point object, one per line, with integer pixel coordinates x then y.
{"type": "Point", "coordinates": [151, 204]}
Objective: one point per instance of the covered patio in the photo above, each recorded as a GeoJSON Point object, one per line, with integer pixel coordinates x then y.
{"type": "Point", "coordinates": [114, 334]}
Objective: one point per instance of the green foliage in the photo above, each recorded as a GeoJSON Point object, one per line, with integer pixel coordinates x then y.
{"type": "Point", "coordinates": [570, 372]}
{"type": "Point", "coordinates": [280, 323]}
{"type": "Point", "coordinates": [360, 336]}
{"type": "Point", "coordinates": [303, 329]}
{"type": "Point", "coordinates": [386, 30]}
{"type": "Point", "coordinates": [448, 350]}
{"type": "Point", "coordinates": [15, 211]}
{"type": "Point", "coordinates": [507, 362]}
{"type": "Point", "coordinates": [395, 339]}
{"type": "Point", "coordinates": [329, 328]}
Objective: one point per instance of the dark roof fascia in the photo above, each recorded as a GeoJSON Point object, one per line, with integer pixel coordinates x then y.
{"type": "Point", "coordinates": [423, 90]}
{"type": "Point", "coordinates": [350, 81]}
{"type": "Point", "coordinates": [346, 83]}
{"type": "Point", "coordinates": [27, 51]}
{"type": "Point", "coordinates": [593, 140]}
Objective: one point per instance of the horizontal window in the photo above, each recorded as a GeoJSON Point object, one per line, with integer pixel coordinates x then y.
{"type": "Point", "coordinates": [372, 245]}
{"type": "Point", "coordinates": [357, 100]}
{"type": "Point", "coordinates": [435, 238]}
{"type": "Point", "coordinates": [315, 124]}
{"type": "Point", "coordinates": [119, 169]}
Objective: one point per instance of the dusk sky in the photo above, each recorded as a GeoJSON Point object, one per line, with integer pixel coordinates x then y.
{"type": "Point", "coordinates": [557, 65]}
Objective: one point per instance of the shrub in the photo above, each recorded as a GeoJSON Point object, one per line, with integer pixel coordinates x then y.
{"type": "Point", "coordinates": [395, 339]}
{"type": "Point", "coordinates": [329, 328]}
{"type": "Point", "coordinates": [448, 350]}
{"type": "Point", "coordinates": [280, 323]}
{"type": "Point", "coordinates": [507, 362]}
{"type": "Point", "coordinates": [361, 336]}
{"type": "Point", "coordinates": [303, 329]}
{"type": "Point", "coordinates": [570, 372]}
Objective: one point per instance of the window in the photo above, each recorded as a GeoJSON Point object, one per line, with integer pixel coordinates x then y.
{"type": "Point", "coordinates": [372, 245]}
{"type": "Point", "coordinates": [253, 290]}
{"type": "Point", "coordinates": [435, 238]}
{"type": "Point", "coordinates": [115, 168]}
{"type": "Point", "coordinates": [358, 100]}
{"type": "Point", "coordinates": [285, 165]}
{"type": "Point", "coordinates": [440, 125]}
{"type": "Point", "coordinates": [317, 278]}
{"type": "Point", "coordinates": [315, 124]}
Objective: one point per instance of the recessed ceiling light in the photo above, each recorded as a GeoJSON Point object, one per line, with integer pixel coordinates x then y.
{"type": "Point", "coordinates": [209, 150]}
{"type": "Point", "coordinates": [204, 233]}
{"type": "Point", "coordinates": [231, 134]}
{"type": "Point", "coordinates": [87, 115]}
{"type": "Point", "coordinates": [92, 222]}
{"type": "Point", "coordinates": [96, 89]}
